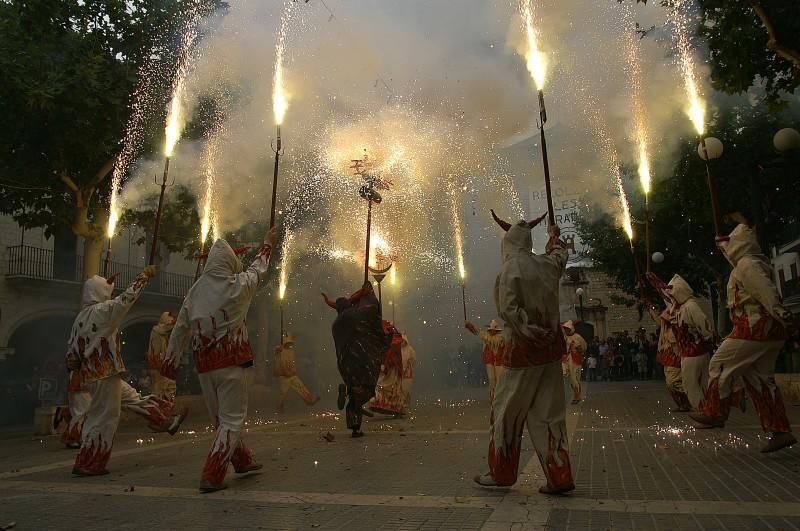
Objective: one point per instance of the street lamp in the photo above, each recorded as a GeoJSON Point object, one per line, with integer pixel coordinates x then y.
{"type": "Point", "coordinates": [579, 292]}
{"type": "Point", "coordinates": [658, 257]}
{"type": "Point", "coordinates": [710, 149]}
{"type": "Point", "coordinates": [787, 139]}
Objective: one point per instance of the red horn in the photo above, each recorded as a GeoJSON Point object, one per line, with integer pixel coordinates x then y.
{"type": "Point", "coordinates": [532, 223]}
{"type": "Point", "coordinates": [329, 302]}
{"type": "Point", "coordinates": [505, 225]}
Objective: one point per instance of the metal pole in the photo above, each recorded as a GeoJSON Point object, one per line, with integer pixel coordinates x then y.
{"type": "Point", "coordinates": [275, 181]}
{"type": "Point", "coordinates": [108, 258]}
{"type": "Point", "coordinates": [464, 299]}
{"type": "Point", "coordinates": [712, 188]}
{"type": "Point", "coordinates": [580, 302]}
{"type": "Point", "coordinates": [551, 217]}
{"type": "Point", "coordinates": [369, 226]}
{"type": "Point", "coordinates": [281, 306]}
{"type": "Point", "coordinates": [154, 247]}
{"type": "Point", "coordinates": [380, 296]}
{"type": "Point", "coordinates": [638, 271]}
{"type": "Point", "coordinates": [648, 258]}
{"type": "Point", "coordinates": [200, 261]}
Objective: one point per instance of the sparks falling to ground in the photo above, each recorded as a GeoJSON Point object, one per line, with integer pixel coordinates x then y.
{"type": "Point", "coordinates": [681, 20]}
{"type": "Point", "coordinates": [284, 267]}
{"type": "Point", "coordinates": [535, 59]}
{"type": "Point", "coordinates": [279, 97]}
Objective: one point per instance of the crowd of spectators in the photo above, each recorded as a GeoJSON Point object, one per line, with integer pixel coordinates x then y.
{"type": "Point", "coordinates": [622, 356]}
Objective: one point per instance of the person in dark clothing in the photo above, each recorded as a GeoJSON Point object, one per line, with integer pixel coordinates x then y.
{"type": "Point", "coordinates": [361, 343]}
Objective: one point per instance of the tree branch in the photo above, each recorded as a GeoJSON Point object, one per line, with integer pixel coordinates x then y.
{"type": "Point", "coordinates": [786, 52]}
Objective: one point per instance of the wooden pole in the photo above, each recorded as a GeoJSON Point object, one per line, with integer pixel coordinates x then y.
{"type": "Point", "coordinates": [551, 218]}
{"type": "Point", "coordinates": [275, 180]}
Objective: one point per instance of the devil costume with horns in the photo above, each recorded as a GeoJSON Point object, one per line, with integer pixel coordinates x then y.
{"type": "Point", "coordinates": [212, 321]}
{"type": "Point", "coordinates": [759, 331]}
{"type": "Point", "coordinates": [361, 343]}
{"type": "Point", "coordinates": [530, 389]}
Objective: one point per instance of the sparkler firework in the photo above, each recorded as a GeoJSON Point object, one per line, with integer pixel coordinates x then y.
{"type": "Point", "coordinates": [634, 72]}
{"type": "Point", "coordinates": [680, 15]}
{"type": "Point", "coordinates": [536, 65]}
{"type": "Point", "coordinates": [279, 100]}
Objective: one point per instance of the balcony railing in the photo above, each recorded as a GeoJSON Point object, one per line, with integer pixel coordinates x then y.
{"type": "Point", "coordinates": [34, 262]}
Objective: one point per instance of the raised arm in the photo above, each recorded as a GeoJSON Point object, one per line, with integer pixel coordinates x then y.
{"type": "Point", "coordinates": [178, 343]}
{"type": "Point", "coordinates": [251, 278]}
{"type": "Point", "coordinates": [120, 305]}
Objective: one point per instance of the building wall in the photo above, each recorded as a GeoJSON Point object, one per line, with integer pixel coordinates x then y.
{"type": "Point", "coordinates": [599, 290]}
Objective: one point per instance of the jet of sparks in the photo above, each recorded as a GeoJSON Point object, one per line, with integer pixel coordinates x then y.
{"type": "Point", "coordinates": [284, 274]}
{"type": "Point", "coordinates": [175, 121]}
{"type": "Point", "coordinates": [696, 110]}
{"type": "Point", "coordinates": [279, 100]}
{"type": "Point", "coordinates": [535, 59]}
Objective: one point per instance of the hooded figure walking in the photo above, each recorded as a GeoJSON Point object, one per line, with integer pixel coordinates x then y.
{"type": "Point", "coordinates": [530, 387]}
{"type": "Point", "coordinates": [160, 385]}
{"type": "Point", "coordinates": [95, 360]}
{"type": "Point", "coordinates": [361, 344]}
{"type": "Point", "coordinates": [212, 319]}
{"type": "Point", "coordinates": [668, 352]}
{"type": "Point", "coordinates": [572, 362]}
{"type": "Point", "coordinates": [493, 351]}
{"type": "Point", "coordinates": [759, 331]}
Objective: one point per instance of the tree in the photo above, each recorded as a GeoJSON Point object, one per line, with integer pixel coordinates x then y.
{"type": "Point", "coordinates": [180, 223]}
{"type": "Point", "coordinates": [750, 42]}
{"type": "Point", "coordinates": [751, 180]}
{"type": "Point", "coordinates": [70, 70]}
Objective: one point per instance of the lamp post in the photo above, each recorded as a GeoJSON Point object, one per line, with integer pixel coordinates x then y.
{"type": "Point", "coordinates": [658, 257]}
{"type": "Point", "coordinates": [579, 292]}
{"type": "Point", "coordinates": [711, 149]}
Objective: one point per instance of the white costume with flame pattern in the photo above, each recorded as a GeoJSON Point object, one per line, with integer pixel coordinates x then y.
{"type": "Point", "coordinates": [212, 321]}
{"type": "Point", "coordinates": [572, 361]}
{"type": "Point", "coordinates": [95, 339]}
{"type": "Point", "coordinates": [530, 388]}
{"type": "Point", "coordinates": [751, 349]}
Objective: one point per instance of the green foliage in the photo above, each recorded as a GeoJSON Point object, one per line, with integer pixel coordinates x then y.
{"type": "Point", "coordinates": [743, 53]}
{"type": "Point", "coordinates": [180, 224]}
{"type": "Point", "coordinates": [680, 213]}
{"type": "Point", "coordinates": [69, 72]}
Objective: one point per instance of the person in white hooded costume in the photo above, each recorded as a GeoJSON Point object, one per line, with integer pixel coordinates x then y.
{"type": "Point", "coordinates": [668, 352]}
{"type": "Point", "coordinates": [572, 362]}
{"type": "Point", "coordinates": [759, 331]}
{"type": "Point", "coordinates": [409, 358]}
{"type": "Point", "coordinates": [693, 334]}
{"type": "Point", "coordinates": [160, 385]}
{"type": "Point", "coordinates": [212, 321]}
{"type": "Point", "coordinates": [94, 356]}
{"type": "Point", "coordinates": [530, 387]}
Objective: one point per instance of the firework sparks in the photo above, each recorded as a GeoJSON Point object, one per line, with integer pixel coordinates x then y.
{"type": "Point", "coordinates": [681, 19]}
{"type": "Point", "coordinates": [279, 97]}
{"type": "Point", "coordinates": [284, 268]}
{"type": "Point", "coordinates": [534, 57]}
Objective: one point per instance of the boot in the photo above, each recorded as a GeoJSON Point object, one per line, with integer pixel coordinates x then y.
{"type": "Point", "coordinates": [778, 441]}
{"type": "Point", "coordinates": [250, 467]}
{"type": "Point", "coordinates": [547, 489]}
{"type": "Point", "coordinates": [207, 486]}
{"type": "Point", "coordinates": [177, 419]}
{"type": "Point", "coordinates": [485, 480]}
{"type": "Point", "coordinates": [83, 472]}
{"type": "Point", "coordinates": [706, 420]}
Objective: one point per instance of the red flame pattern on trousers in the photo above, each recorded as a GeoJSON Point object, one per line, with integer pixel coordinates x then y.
{"type": "Point", "coordinates": [72, 435]}
{"type": "Point", "coordinates": [769, 407]}
{"type": "Point", "coordinates": [668, 358]}
{"type": "Point", "coordinates": [559, 477]}
{"type": "Point", "coordinates": [691, 345]}
{"type": "Point", "coordinates": [242, 457]}
{"type": "Point", "coordinates": [94, 456]}
{"type": "Point", "coordinates": [216, 465]}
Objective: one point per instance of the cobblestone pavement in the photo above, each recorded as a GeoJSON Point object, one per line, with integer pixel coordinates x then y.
{"type": "Point", "coordinates": [637, 466]}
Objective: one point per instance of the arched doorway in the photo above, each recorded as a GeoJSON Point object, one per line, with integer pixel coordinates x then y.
{"type": "Point", "coordinates": [35, 373]}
